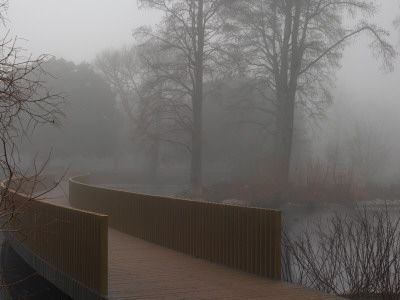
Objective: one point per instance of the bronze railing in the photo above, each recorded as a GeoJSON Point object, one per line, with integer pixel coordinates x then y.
{"type": "Point", "coordinates": [245, 238]}
{"type": "Point", "coordinates": [71, 240]}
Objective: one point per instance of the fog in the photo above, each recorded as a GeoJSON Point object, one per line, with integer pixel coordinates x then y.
{"type": "Point", "coordinates": [365, 102]}
{"type": "Point", "coordinates": [289, 105]}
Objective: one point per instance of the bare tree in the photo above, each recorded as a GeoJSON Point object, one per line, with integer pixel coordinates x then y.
{"type": "Point", "coordinates": [121, 68]}
{"type": "Point", "coordinates": [25, 103]}
{"type": "Point", "coordinates": [123, 71]}
{"type": "Point", "coordinates": [356, 255]}
{"type": "Point", "coordinates": [186, 39]}
{"type": "Point", "coordinates": [293, 47]}
{"type": "Point", "coordinates": [143, 98]}
{"type": "Point", "coordinates": [367, 152]}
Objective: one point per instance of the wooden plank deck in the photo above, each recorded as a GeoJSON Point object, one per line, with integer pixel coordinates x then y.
{"type": "Point", "coordinates": [141, 270]}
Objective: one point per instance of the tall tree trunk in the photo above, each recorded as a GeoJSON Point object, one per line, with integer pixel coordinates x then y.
{"type": "Point", "coordinates": [196, 162]}
{"type": "Point", "coordinates": [197, 103]}
{"type": "Point", "coordinates": [154, 154]}
{"type": "Point", "coordinates": [286, 81]}
{"type": "Point", "coordinates": [283, 144]}
{"type": "Point", "coordinates": [284, 125]}
{"type": "Point", "coordinates": [154, 151]}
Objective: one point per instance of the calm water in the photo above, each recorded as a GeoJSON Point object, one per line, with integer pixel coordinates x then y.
{"type": "Point", "coordinates": [23, 282]}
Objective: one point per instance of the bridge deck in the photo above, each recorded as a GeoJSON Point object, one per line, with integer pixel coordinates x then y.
{"type": "Point", "coordinates": [141, 270]}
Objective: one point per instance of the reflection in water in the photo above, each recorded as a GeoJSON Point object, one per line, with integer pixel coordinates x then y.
{"type": "Point", "coordinates": [22, 281]}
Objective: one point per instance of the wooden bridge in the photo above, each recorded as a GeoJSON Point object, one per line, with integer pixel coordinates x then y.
{"type": "Point", "coordinates": [132, 268]}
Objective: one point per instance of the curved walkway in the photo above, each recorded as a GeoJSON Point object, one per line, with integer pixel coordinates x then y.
{"type": "Point", "coordinates": [141, 270]}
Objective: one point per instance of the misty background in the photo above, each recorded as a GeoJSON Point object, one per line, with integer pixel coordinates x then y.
{"type": "Point", "coordinates": [360, 124]}
{"type": "Point", "coordinates": [246, 113]}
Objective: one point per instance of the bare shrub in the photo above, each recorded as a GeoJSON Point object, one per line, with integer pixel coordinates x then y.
{"type": "Point", "coordinates": [355, 255]}
{"type": "Point", "coordinates": [312, 183]}
{"type": "Point", "coordinates": [25, 103]}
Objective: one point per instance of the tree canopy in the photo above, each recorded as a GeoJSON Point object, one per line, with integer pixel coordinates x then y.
{"type": "Point", "coordinates": [293, 48]}
{"type": "Point", "coordinates": [91, 123]}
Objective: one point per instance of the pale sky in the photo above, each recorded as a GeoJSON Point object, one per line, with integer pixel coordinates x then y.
{"type": "Point", "coordinates": [76, 30]}
{"type": "Point", "coordinates": [79, 29]}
